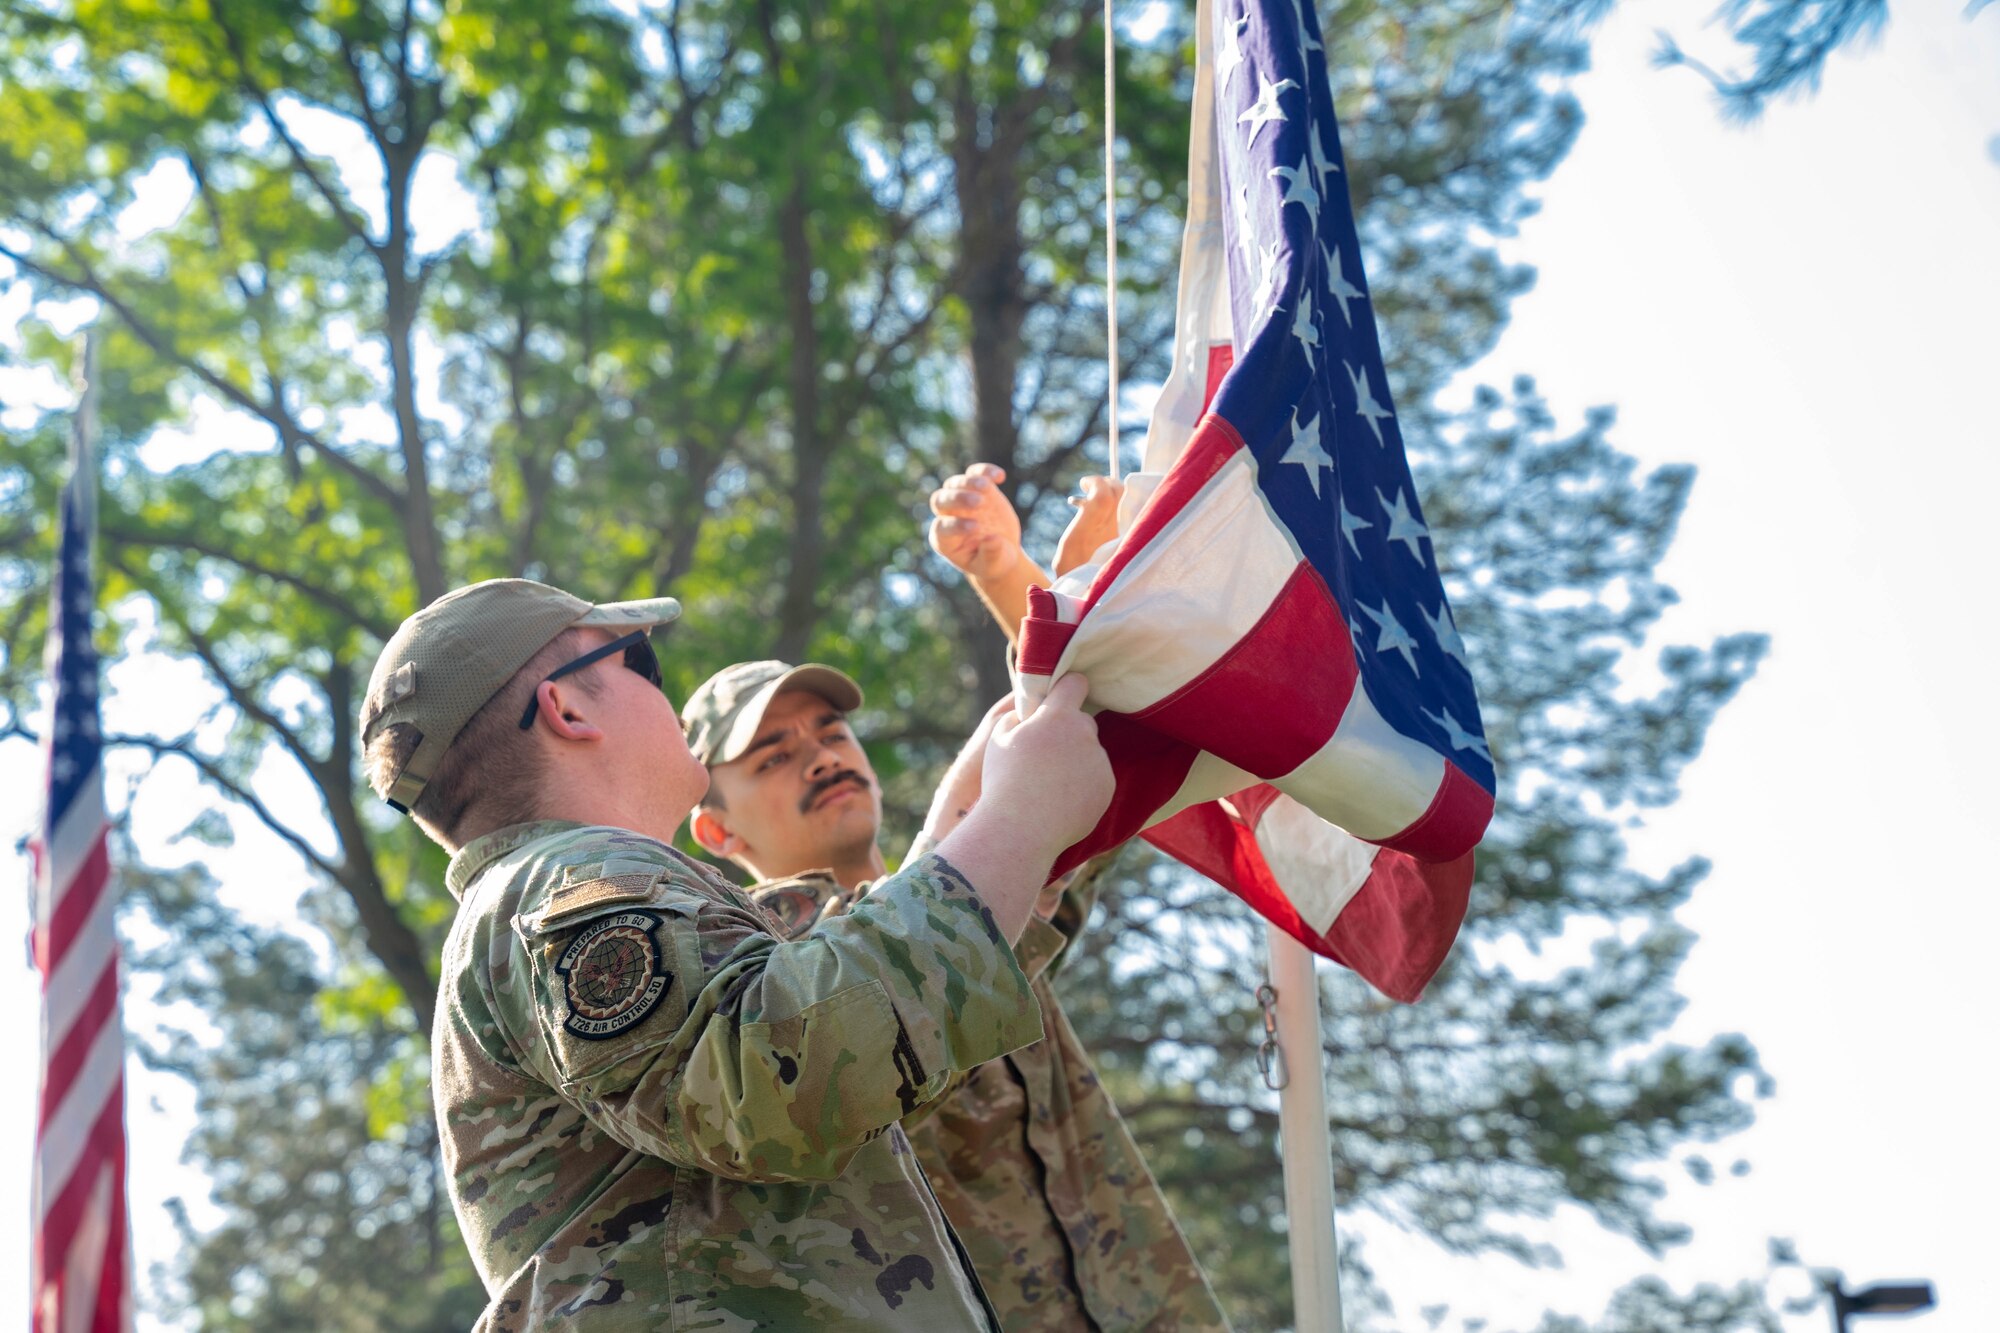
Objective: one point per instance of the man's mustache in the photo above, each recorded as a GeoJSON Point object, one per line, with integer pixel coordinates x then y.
{"type": "Point", "coordinates": [827, 784]}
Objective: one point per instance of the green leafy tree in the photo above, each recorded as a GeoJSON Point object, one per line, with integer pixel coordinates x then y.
{"type": "Point", "coordinates": [1788, 43]}
{"type": "Point", "coordinates": [729, 288]}
{"type": "Point", "coordinates": [1650, 1306]}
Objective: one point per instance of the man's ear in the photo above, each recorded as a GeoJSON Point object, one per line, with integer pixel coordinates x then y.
{"type": "Point", "coordinates": [562, 711]}
{"type": "Point", "coordinates": [713, 835]}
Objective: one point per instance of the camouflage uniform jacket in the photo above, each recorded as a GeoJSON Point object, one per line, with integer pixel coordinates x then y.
{"type": "Point", "coordinates": [657, 1115]}
{"type": "Point", "coordinates": [1066, 1227]}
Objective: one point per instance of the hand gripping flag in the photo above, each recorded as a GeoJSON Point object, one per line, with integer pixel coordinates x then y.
{"type": "Point", "coordinates": [1280, 685]}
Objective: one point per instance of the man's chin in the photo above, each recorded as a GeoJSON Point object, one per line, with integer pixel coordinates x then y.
{"type": "Point", "coordinates": [850, 819]}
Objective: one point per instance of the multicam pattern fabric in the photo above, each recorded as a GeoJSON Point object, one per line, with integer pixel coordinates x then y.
{"type": "Point", "coordinates": [1066, 1227]}
{"type": "Point", "coordinates": [700, 1131]}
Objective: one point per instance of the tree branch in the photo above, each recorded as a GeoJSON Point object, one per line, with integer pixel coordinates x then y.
{"type": "Point", "coordinates": [380, 628]}
{"type": "Point", "coordinates": [209, 769]}
{"type": "Point", "coordinates": [240, 695]}
{"type": "Point", "coordinates": [359, 80]}
{"type": "Point", "coordinates": [273, 415]}
{"type": "Point", "coordinates": [342, 210]}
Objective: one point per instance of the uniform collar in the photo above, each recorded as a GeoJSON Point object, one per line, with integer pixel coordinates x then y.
{"type": "Point", "coordinates": [819, 883]}
{"type": "Point", "coordinates": [482, 852]}
{"type": "Point", "coordinates": [798, 901]}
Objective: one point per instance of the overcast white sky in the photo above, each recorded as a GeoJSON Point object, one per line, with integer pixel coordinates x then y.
{"type": "Point", "coordinates": [1805, 309]}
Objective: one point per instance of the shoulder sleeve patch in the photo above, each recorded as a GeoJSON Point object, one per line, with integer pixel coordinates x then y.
{"type": "Point", "coordinates": [586, 897]}
{"type": "Point", "coordinates": [613, 975]}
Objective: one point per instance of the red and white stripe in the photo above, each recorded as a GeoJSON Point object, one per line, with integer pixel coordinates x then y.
{"type": "Point", "coordinates": [80, 1279]}
{"type": "Point", "coordinates": [1243, 660]}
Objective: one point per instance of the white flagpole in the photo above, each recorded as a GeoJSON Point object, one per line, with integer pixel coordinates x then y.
{"type": "Point", "coordinates": [1304, 1140]}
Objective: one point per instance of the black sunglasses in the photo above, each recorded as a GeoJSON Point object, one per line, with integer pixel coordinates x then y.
{"type": "Point", "coordinates": [639, 657]}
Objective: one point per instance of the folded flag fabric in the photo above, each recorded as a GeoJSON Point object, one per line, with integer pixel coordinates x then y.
{"type": "Point", "coordinates": [1278, 678]}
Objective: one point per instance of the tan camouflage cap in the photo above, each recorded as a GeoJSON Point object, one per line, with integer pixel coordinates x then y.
{"type": "Point", "coordinates": [448, 659]}
{"type": "Point", "coordinates": [722, 716]}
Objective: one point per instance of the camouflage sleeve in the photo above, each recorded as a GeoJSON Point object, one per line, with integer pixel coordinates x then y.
{"type": "Point", "coordinates": [1043, 949]}
{"type": "Point", "coordinates": [762, 1059]}
{"type": "Point", "coordinates": [1040, 944]}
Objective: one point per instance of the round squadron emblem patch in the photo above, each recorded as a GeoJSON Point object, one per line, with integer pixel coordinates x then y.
{"type": "Point", "coordinates": [795, 909]}
{"type": "Point", "coordinates": [612, 975]}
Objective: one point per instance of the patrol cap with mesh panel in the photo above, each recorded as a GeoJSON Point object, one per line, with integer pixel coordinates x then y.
{"type": "Point", "coordinates": [443, 664]}
{"type": "Point", "coordinates": [722, 717]}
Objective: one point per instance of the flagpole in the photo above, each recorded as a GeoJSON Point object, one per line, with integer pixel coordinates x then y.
{"type": "Point", "coordinates": [1111, 233]}
{"type": "Point", "coordinates": [1305, 1143]}
{"type": "Point", "coordinates": [83, 439]}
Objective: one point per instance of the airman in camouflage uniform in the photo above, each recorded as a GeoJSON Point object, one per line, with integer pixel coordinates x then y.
{"type": "Point", "coordinates": [1029, 1158]}
{"type": "Point", "coordinates": [656, 1113]}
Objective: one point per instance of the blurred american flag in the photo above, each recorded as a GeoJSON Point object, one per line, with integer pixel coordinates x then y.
{"type": "Point", "coordinates": [81, 1274]}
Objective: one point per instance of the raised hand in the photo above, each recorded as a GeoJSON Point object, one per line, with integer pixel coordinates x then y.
{"type": "Point", "coordinates": [1095, 522]}
{"type": "Point", "coordinates": [975, 527]}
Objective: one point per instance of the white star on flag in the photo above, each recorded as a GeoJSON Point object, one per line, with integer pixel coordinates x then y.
{"type": "Point", "coordinates": [1246, 221]}
{"type": "Point", "coordinates": [1299, 188]}
{"type": "Point", "coordinates": [1336, 279]}
{"type": "Point", "coordinates": [1393, 634]}
{"type": "Point", "coordinates": [1232, 53]}
{"type": "Point", "coordinates": [1305, 38]}
{"type": "Point", "coordinates": [1266, 109]}
{"type": "Point", "coordinates": [1366, 404]}
{"type": "Point", "coordinates": [1460, 738]}
{"type": "Point", "coordinates": [1351, 523]}
{"type": "Point", "coordinates": [1267, 279]}
{"type": "Point", "coordinates": [1327, 166]}
{"type": "Point", "coordinates": [63, 767]}
{"type": "Point", "coordinates": [1404, 526]}
{"type": "Point", "coordinates": [88, 726]}
{"type": "Point", "coordinates": [1446, 633]}
{"type": "Point", "coordinates": [1305, 450]}
{"type": "Point", "coordinates": [1303, 327]}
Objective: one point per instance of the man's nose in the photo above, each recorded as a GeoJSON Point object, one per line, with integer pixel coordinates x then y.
{"type": "Point", "coordinates": [821, 759]}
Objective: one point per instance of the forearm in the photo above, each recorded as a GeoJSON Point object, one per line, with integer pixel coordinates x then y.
{"type": "Point", "coordinates": [1006, 595]}
{"type": "Point", "coordinates": [1005, 864]}
{"type": "Point", "coordinates": [873, 1011]}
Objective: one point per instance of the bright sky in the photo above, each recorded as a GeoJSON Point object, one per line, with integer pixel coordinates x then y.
{"type": "Point", "coordinates": [1806, 310]}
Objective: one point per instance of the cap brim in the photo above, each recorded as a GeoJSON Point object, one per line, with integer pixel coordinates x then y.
{"type": "Point", "coordinates": [632, 615]}
{"type": "Point", "coordinates": [829, 683]}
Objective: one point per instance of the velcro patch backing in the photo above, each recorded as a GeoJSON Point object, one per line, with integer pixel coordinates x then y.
{"type": "Point", "coordinates": [589, 895]}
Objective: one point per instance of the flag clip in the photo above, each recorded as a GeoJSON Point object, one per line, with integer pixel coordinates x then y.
{"type": "Point", "coordinates": [1271, 1060]}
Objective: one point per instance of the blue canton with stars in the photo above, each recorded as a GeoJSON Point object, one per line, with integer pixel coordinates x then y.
{"type": "Point", "coordinates": [1308, 393]}
{"type": "Point", "coordinates": [75, 738]}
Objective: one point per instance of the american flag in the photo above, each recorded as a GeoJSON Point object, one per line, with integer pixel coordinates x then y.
{"type": "Point", "coordinates": [81, 1267]}
{"type": "Point", "coordinates": [1285, 697]}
